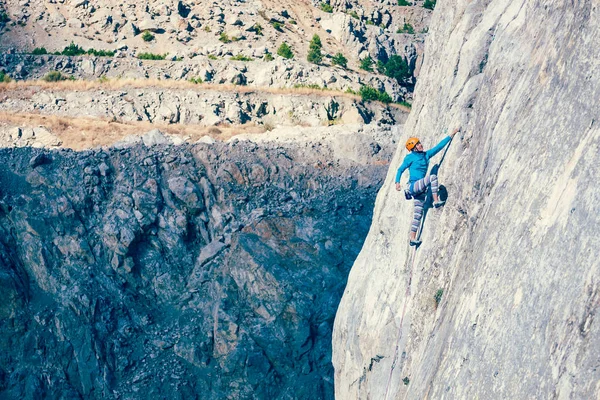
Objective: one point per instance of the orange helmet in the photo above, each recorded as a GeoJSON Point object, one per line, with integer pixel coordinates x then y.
{"type": "Point", "coordinates": [411, 143]}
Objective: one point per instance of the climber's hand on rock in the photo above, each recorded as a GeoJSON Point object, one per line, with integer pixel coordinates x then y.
{"type": "Point", "coordinates": [398, 186]}
{"type": "Point", "coordinates": [454, 132]}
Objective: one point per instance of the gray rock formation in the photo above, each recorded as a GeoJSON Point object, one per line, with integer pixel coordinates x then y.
{"type": "Point", "coordinates": [202, 107]}
{"type": "Point", "coordinates": [274, 74]}
{"type": "Point", "coordinates": [210, 271]}
{"type": "Point", "coordinates": [513, 256]}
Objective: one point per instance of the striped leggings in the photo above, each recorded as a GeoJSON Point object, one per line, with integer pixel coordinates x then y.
{"type": "Point", "coordinates": [418, 190]}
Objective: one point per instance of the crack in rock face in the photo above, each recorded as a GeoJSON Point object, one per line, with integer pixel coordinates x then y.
{"type": "Point", "coordinates": [209, 271]}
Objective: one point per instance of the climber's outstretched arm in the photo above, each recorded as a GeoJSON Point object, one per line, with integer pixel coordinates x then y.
{"type": "Point", "coordinates": [433, 151]}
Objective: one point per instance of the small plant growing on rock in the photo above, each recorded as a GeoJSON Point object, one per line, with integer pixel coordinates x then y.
{"type": "Point", "coordinates": [4, 78]}
{"type": "Point", "coordinates": [196, 81]}
{"type": "Point", "coordinates": [285, 51]}
{"type": "Point", "coordinates": [38, 51]}
{"type": "Point", "coordinates": [326, 7]}
{"type": "Point", "coordinates": [4, 18]}
{"type": "Point", "coordinates": [256, 28]}
{"type": "Point", "coordinates": [147, 36]}
{"type": "Point", "coordinates": [340, 60]}
{"type": "Point", "coordinates": [57, 76]}
{"type": "Point", "coordinates": [223, 37]}
{"type": "Point", "coordinates": [438, 297]}
{"type": "Point", "coordinates": [366, 64]}
{"type": "Point", "coordinates": [407, 28]}
{"type": "Point", "coordinates": [207, 28]}
{"type": "Point", "coordinates": [241, 57]}
{"type": "Point", "coordinates": [269, 57]}
{"type": "Point", "coordinates": [277, 25]}
{"type": "Point", "coordinates": [212, 57]}
{"type": "Point", "coordinates": [314, 50]}
{"type": "Point", "coordinates": [429, 4]}
{"type": "Point", "coordinates": [403, 3]}
{"type": "Point", "coordinates": [151, 56]}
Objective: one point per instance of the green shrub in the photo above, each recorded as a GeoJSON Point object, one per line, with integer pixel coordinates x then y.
{"type": "Point", "coordinates": [269, 57]}
{"type": "Point", "coordinates": [4, 17]}
{"type": "Point", "coordinates": [241, 57]}
{"type": "Point", "coordinates": [403, 3]}
{"type": "Point", "coordinates": [38, 51]}
{"type": "Point", "coordinates": [256, 28]}
{"type": "Point", "coordinates": [56, 76]}
{"type": "Point", "coordinates": [293, 22]}
{"type": "Point", "coordinates": [212, 57]}
{"type": "Point", "coordinates": [350, 91]}
{"type": "Point", "coordinates": [224, 38]}
{"type": "Point", "coordinates": [277, 25]}
{"type": "Point", "coordinates": [314, 50]}
{"type": "Point", "coordinates": [101, 53]}
{"type": "Point", "coordinates": [207, 28]}
{"type": "Point", "coordinates": [285, 51]}
{"type": "Point", "coordinates": [405, 104]}
{"type": "Point", "coordinates": [340, 60]}
{"type": "Point", "coordinates": [354, 15]}
{"type": "Point", "coordinates": [147, 36]}
{"type": "Point", "coordinates": [407, 28]}
{"type": "Point", "coordinates": [438, 296]}
{"type": "Point", "coordinates": [367, 64]}
{"type": "Point", "coordinates": [396, 67]}
{"type": "Point", "coordinates": [368, 93]}
{"type": "Point", "coordinates": [151, 56]}
{"type": "Point", "coordinates": [326, 7]}
{"type": "Point", "coordinates": [73, 50]}
{"type": "Point", "coordinates": [4, 78]}
{"type": "Point", "coordinates": [197, 81]}
{"type": "Point", "coordinates": [429, 4]}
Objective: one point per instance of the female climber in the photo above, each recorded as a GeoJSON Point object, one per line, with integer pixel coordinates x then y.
{"type": "Point", "coordinates": [417, 163]}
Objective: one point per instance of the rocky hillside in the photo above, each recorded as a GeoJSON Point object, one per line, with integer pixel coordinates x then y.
{"type": "Point", "coordinates": [189, 28]}
{"type": "Point", "coordinates": [502, 298]}
{"type": "Point", "coordinates": [209, 271]}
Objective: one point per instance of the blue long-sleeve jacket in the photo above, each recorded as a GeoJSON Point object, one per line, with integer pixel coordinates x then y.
{"type": "Point", "coordinates": [418, 162]}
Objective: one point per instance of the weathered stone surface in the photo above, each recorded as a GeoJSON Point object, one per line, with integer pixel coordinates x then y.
{"type": "Point", "coordinates": [515, 248]}
{"type": "Point", "coordinates": [139, 272]}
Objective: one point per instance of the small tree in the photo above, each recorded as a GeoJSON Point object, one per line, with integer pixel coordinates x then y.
{"type": "Point", "coordinates": [285, 51]}
{"type": "Point", "coordinates": [340, 60]}
{"type": "Point", "coordinates": [396, 67]}
{"type": "Point", "coordinates": [429, 4]}
{"type": "Point", "coordinates": [326, 7]}
{"type": "Point", "coordinates": [366, 63]}
{"type": "Point", "coordinates": [407, 28]}
{"type": "Point", "coordinates": [147, 36]}
{"type": "Point", "coordinates": [314, 50]}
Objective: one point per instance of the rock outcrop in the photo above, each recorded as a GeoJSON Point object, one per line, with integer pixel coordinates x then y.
{"type": "Point", "coordinates": [209, 271]}
{"type": "Point", "coordinates": [502, 298]}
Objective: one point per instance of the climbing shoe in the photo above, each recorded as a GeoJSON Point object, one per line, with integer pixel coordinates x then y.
{"type": "Point", "coordinates": [439, 204]}
{"type": "Point", "coordinates": [415, 242]}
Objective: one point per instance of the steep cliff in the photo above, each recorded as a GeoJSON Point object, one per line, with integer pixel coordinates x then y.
{"type": "Point", "coordinates": [513, 256]}
{"type": "Point", "coordinates": [205, 271]}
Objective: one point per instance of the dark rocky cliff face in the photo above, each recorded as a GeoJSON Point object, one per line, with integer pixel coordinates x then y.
{"type": "Point", "coordinates": [206, 271]}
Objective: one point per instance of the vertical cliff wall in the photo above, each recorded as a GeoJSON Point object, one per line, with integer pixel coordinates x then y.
{"type": "Point", "coordinates": [515, 250]}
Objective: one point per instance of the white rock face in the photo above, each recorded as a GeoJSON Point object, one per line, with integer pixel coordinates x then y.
{"type": "Point", "coordinates": [515, 250]}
